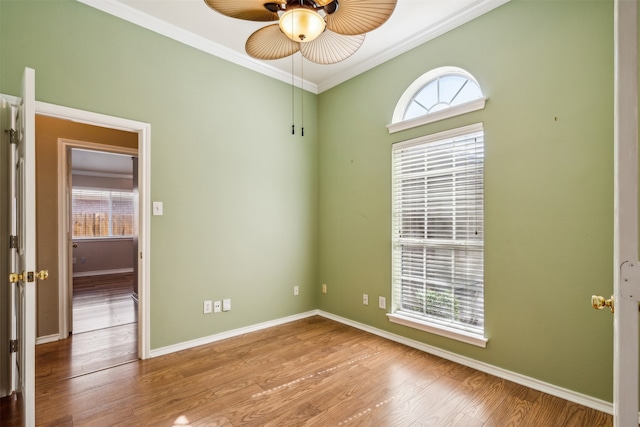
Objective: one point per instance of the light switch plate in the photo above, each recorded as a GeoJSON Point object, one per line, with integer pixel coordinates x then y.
{"type": "Point", "coordinates": [226, 305]}
{"type": "Point", "coordinates": [157, 208]}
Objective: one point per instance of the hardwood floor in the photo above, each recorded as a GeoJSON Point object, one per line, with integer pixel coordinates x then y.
{"type": "Point", "coordinates": [312, 372]}
{"type": "Point", "coordinates": [102, 302]}
{"type": "Point", "coordinates": [104, 336]}
{"type": "Point", "coordinates": [10, 413]}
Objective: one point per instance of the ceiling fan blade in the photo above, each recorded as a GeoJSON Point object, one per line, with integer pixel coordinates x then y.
{"type": "Point", "coordinates": [270, 43]}
{"type": "Point", "coordinates": [360, 16]}
{"type": "Point", "coordinates": [330, 47]}
{"type": "Point", "coordinates": [249, 10]}
{"type": "Point", "coordinates": [322, 3]}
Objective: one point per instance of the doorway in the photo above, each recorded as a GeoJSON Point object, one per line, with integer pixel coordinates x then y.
{"type": "Point", "coordinates": [64, 140]}
{"type": "Point", "coordinates": [102, 283]}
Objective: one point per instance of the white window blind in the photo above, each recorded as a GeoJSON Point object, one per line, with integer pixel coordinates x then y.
{"type": "Point", "coordinates": [438, 235]}
{"type": "Point", "coordinates": [102, 213]}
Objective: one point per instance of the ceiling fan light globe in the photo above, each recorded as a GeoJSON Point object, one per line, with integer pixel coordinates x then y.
{"type": "Point", "coordinates": [302, 25]}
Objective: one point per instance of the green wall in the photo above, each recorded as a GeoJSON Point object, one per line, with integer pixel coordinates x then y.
{"type": "Point", "coordinates": [547, 69]}
{"type": "Point", "coordinates": [251, 211]}
{"type": "Point", "coordinates": [239, 191]}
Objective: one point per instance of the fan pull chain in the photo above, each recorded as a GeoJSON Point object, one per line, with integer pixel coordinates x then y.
{"type": "Point", "coordinates": [302, 92]}
{"type": "Point", "coordinates": [293, 117]}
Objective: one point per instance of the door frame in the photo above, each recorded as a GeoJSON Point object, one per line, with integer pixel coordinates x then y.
{"type": "Point", "coordinates": [626, 289]}
{"type": "Point", "coordinates": [65, 266]}
{"type": "Point", "coordinates": [144, 230]}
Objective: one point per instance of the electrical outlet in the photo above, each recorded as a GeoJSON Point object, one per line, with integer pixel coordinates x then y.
{"type": "Point", "coordinates": [207, 307]}
{"type": "Point", "coordinates": [226, 304]}
{"type": "Point", "coordinates": [296, 290]}
{"type": "Point", "coordinates": [365, 299]}
{"type": "Point", "coordinates": [324, 288]}
{"type": "Point", "coordinates": [217, 306]}
{"type": "Point", "coordinates": [382, 302]}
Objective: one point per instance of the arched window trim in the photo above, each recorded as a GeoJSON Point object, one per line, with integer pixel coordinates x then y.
{"type": "Point", "coordinates": [397, 122]}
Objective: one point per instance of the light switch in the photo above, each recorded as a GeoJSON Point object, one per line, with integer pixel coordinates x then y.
{"type": "Point", "coordinates": [226, 305]}
{"type": "Point", "coordinates": [157, 208]}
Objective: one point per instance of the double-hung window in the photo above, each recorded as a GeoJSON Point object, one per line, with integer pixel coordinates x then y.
{"type": "Point", "coordinates": [438, 235]}
{"type": "Point", "coordinates": [102, 213]}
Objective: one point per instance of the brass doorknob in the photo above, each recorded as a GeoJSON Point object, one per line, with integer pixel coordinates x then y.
{"type": "Point", "coordinates": [28, 276]}
{"type": "Point", "coordinates": [599, 302]}
{"type": "Point", "coordinates": [15, 277]}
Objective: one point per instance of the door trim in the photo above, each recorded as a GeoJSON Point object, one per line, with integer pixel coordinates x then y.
{"type": "Point", "coordinates": [144, 232]}
{"type": "Point", "coordinates": [626, 349]}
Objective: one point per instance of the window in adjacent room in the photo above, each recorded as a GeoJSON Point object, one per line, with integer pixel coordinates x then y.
{"type": "Point", "coordinates": [102, 213]}
{"type": "Point", "coordinates": [438, 233]}
{"type": "Point", "coordinates": [436, 95]}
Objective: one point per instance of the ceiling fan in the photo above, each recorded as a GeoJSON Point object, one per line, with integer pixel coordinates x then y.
{"type": "Point", "coordinates": [323, 31]}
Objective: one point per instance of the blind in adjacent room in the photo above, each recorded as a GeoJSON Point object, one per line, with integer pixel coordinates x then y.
{"type": "Point", "coordinates": [438, 234]}
{"type": "Point", "coordinates": [102, 213]}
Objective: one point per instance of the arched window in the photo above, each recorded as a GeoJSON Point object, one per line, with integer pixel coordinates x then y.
{"type": "Point", "coordinates": [436, 95]}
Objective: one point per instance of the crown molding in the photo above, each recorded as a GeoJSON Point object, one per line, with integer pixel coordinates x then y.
{"type": "Point", "coordinates": [127, 13]}
{"type": "Point", "coordinates": [475, 10]}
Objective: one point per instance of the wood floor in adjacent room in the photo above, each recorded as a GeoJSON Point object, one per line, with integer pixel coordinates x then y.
{"type": "Point", "coordinates": [311, 372]}
{"type": "Point", "coordinates": [102, 302]}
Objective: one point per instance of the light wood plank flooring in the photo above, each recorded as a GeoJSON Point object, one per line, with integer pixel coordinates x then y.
{"type": "Point", "coordinates": [311, 372]}
{"type": "Point", "coordinates": [102, 302]}
{"type": "Point", "coordinates": [105, 335]}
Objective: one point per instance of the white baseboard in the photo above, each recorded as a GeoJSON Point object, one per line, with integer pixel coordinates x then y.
{"type": "Point", "coordinates": [47, 338]}
{"type": "Point", "coordinates": [563, 393]}
{"type": "Point", "coordinates": [103, 272]}
{"type": "Point", "coordinates": [229, 334]}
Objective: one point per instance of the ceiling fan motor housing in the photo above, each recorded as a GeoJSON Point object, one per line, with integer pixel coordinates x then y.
{"type": "Point", "coordinates": [323, 31]}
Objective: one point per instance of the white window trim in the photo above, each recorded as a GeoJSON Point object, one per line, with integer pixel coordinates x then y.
{"type": "Point", "coordinates": [450, 133]}
{"type": "Point", "coordinates": [458, 110]}
{"type": "Point", "coordinates": [433, 326]}
{"type": "Point", "coordinates": [101, 239]}
{"type": "Point", "coordinates": [397, 122]}
{"type": "Point", "coordinates": [438, 329]}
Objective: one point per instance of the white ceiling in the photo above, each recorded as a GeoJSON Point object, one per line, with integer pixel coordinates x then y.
{"type": "Point", "coordinates": [192, 22]}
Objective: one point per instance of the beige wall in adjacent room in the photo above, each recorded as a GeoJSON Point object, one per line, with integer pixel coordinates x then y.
{"type": "Point", "coordinates": [48, 131]}
{"type": "Point", "coordinates": [100, 256]}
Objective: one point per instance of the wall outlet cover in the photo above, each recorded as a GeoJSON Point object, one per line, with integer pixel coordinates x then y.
{"type": "Point", "coordinates": [217, 306]}
{"type": "Point", "coordinates": [207, 307]}
{"type": "Point", "coordinates": [226, 304]}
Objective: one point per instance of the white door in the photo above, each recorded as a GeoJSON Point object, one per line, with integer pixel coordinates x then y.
{"type": "Point", "coordinates": [23, 277]}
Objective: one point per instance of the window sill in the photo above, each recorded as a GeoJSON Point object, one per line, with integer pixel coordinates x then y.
{"type": "Point", "coordinates": [436, 329]}
{"type": "Point", "coordinates": [458, 110]}
{"type": "Point", "coordinates": [101, 239]}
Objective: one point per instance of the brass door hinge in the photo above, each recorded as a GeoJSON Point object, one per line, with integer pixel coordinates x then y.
{"type": "Point", "coordinates": [13, 136]}
{"type": "Point", "coordinates": [13, 346]}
